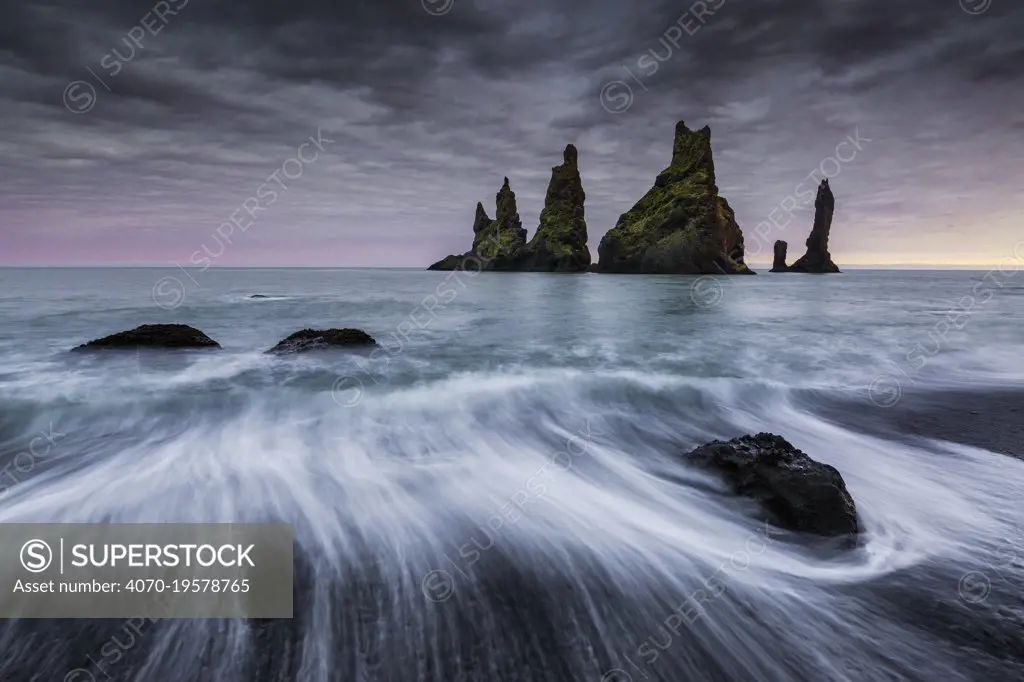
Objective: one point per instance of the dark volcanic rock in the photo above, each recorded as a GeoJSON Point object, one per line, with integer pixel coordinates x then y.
{"type": "Point", "coordinates": [501, 242]}
{"type": "Point", "coordinates": [153, 336]}
{"type": "Point", "coordinates": [496, 243]}
{"type": "Point", "coordinates": [481, 222]}
{"type": "Point", "coordinates": [779, 264]}
{"type": "Point", "coordinates": [323, 339]}
{"type": "Point", "coordinates": [560, 243]}
{"type": "Point", "coordinates": [681, 225]}
{"type": "Point", "coordinates": [449, 263]}
{"type": "Point", "coordinates": [817, 259]}
{"type": "Point", "coordinates": [797, 492]}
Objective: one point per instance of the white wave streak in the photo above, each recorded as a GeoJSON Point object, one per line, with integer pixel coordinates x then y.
{"type": "Point", "coordinates": [542, 526]}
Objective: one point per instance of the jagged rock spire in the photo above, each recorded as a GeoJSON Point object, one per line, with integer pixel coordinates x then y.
{"type": "Point", "coordinates": [570, 156]}
{"type": "Point", "coordinates": [496, 243]}
{"type": "Point", "coordinates": [824, 208]}
{"type": "Point", "coordinates": [691, 152]}
{"type": "Point", "coordinates": [482, 220]}
{"type": "Point", "coordinates": [560, 243]}
{"type": "Point", "coordinates": [681, 225]}
{"type": "Point", "coordinates": [817, 258]}
{"type": "Point", "coordinates": [508, 212]}
{"type": "Point", "coordinates": [779, 263]}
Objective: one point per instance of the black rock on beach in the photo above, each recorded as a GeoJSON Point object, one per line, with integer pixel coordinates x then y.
{"type": "Point", "coordinates": [797, 492]}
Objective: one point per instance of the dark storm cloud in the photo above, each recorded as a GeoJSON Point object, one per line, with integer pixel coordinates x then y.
{"type": "Point", "coordinates": [431, 103]}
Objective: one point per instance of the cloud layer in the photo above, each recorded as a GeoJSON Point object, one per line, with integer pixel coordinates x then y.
{"type": "Point", "coordinates": [132, 130]}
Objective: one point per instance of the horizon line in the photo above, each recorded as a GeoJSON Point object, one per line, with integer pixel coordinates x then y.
{"type": "Point", "coordinates": [176, 266]}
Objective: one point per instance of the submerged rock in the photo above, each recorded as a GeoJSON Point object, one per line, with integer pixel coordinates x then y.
{"type": "Point", "coordinates": [681, 225]}
{"type": "Point", "coordinates": [323, 339]}
{"type": "Point", "coordinates": [817, 259]}
{"type": "Point", "coordinates": [153, 336]}
{"type": "Point", "coordinates": [797, 492]}
{"type": "Point", "coordinates": [560, 243]}
{"type": "Point", "coordinates": [779, 263]}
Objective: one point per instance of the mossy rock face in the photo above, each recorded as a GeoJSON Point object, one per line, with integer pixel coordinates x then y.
{"type": "Point", "coordinates": [560, 243]}
{"type": "Point", "coordinates": [502, 238]}
{"type": "Point", "coordinates": [497, 244]}
{"type": "Point", "coordinates": [682, 225]}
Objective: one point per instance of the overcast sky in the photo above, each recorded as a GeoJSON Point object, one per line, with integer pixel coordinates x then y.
{"type": "Point", "coordinates": [124, 147]}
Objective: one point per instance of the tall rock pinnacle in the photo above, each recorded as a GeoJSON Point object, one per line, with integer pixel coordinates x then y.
{"type": "Point", "coordinates": [560, 243]}
{"type": "Point", "coordinates": [691, 152]}
{"type": "Point", "coordinates": [779, 263]}
{"type": "Point", "coordinates": [498, 243]}
{"type": "Point", "coordinates": [482, 220]}
{"type": "Point", "coordinates": [505, 236]}
{"type": "Point", "coordinates": [682, 225]}
{"type": "Point", "coordinates": [817, 259]}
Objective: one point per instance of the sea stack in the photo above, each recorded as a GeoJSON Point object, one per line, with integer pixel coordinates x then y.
{"type": "Point", "coordinates": [682, 225]}
{"type": "Point", "coordinates": [498, 243]}
{"type": "Point", "coordinates": [817, 259]}
{"type": "Point", "coordinates": [779, 264]}
{"type": "Point", "coordinates": [560, 243]}
{"type": "Point", "coordinates": [501, 241]}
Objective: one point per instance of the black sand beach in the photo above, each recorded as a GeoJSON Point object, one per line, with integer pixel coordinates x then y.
{"type": "Point", "coordinates": [990, 419]}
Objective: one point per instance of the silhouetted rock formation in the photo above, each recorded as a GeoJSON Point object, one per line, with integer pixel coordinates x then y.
{"type": "Point", "coordinates": [323, 339]}
{"type": "Point", "coordinates": [560, 243]}
{"type": "Point", "coordinates": [496, 243]}
{"type": "Point", "coordinates": [152, 336]}
{"type": "Point", "coordinates": [797, 492]}
{"type": "Point", "coordinates": [817, 259]}
{"type": "Point", "coordinates": [681, 225]}
{"type": "Point", "coordinates": [779, 264]}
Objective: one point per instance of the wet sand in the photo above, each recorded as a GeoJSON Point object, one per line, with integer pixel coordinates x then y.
{"type": "Point", "coordinates": [993, 420]}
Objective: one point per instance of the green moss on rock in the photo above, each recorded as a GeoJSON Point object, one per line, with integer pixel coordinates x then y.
{"type": "Point", "coordinates": [497, 244]}
{"type": "Point", "coordinates": [681, 225]}
{"type": "Point", "coordinates": [560, 243]}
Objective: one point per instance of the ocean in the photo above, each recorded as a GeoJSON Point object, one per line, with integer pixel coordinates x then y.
{"type": "Point", "coordinates": [502, 495]}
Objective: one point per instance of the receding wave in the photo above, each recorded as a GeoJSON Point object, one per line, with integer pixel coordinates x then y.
{"type": "Point", "coordinates": [520, 524]}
